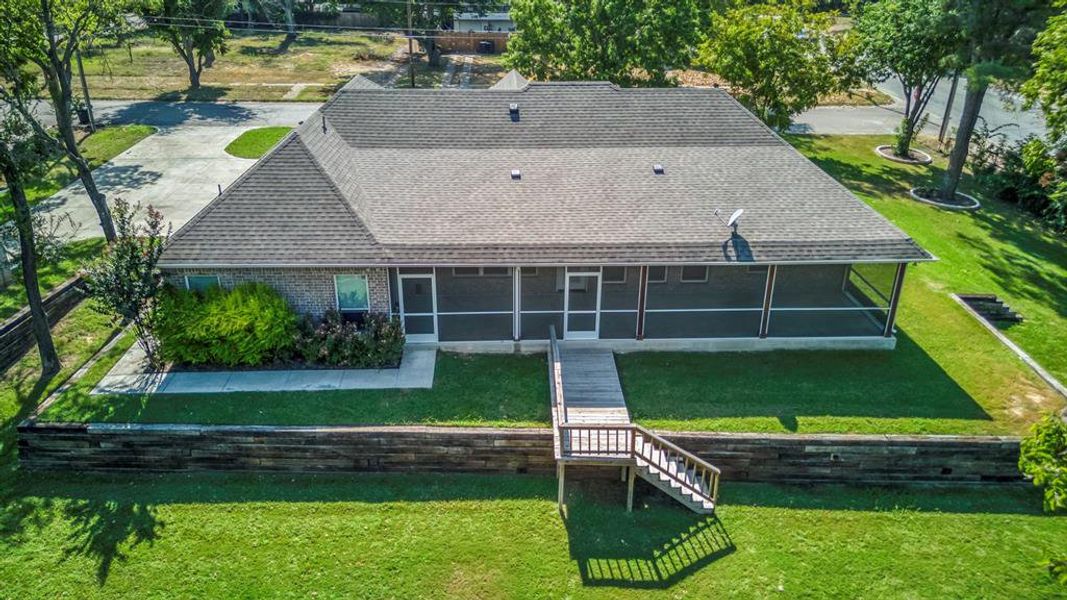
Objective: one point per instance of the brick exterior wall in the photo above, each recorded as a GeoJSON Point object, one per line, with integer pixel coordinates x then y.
{"type": "Point", "coordinates": [309, 290]}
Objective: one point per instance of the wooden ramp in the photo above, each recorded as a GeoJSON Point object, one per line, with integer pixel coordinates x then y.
{"type": "Point", "coordinates": [591, 426]}
{"type": "Point", "coordinates": [591, 387]}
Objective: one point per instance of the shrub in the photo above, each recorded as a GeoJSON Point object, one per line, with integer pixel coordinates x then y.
{"type": "Point", "coordinates": [1028, 173]}
{"type": "Point", "coordinates": [248, 325]}
{"type": "Point", "coordinates": [377, 343]}
{"type": "Point", "coordinates": [1043, 458]}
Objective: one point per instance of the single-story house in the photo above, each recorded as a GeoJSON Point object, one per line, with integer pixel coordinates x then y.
{"type": "Point", "coordinates": [482, 217]}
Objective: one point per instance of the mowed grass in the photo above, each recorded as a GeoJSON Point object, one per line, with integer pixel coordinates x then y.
{"type": "Point", "coordinates": [77, 254]}
{"type": "Point", "coordinates": [256, 142]}
{"type": "Point", "coordinates": [256, 66]}
{"type": "Point", "coordinates": [97, 148]}
{"type": "Point", "coordinates": [489, 390]}
{"type": "Point", "coordinates": [470, 536]}
{"type": "Point", "coordinates": [947, 374]}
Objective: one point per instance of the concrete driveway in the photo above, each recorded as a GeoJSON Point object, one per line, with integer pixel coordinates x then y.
{"type": "Point", "coordinates": [177, 170]}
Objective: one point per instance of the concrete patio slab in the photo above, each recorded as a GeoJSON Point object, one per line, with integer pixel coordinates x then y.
{"type": "Point", "coordinates": [129, 376]}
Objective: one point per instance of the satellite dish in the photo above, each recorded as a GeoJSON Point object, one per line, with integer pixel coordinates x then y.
{"type": "Point", "coordinates": [732, 221]}
{"type": "Point", "coordinates": [734, 217]}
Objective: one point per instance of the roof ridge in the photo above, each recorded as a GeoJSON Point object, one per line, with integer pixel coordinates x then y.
{"type": "Point", "coordinates": [340, 196]}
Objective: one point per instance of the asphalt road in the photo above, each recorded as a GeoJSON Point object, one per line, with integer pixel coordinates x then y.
{"type": "Point", "coordinates": [998, 110]}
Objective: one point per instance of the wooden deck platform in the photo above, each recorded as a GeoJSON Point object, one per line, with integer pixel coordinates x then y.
{"type": "Point", "coordinates": [591, 387]}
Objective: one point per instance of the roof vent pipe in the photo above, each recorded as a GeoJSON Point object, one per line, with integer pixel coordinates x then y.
{"type": "Point", "coordinates": [513, 110]}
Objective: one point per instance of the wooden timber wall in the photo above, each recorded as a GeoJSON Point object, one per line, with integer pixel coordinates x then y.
{"type": "Point", "coordinates": [16, 333]}
{"type": "Point", "coordinates": [742, 457]}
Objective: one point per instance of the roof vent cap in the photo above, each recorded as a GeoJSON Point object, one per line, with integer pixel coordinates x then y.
{"type": "Point", "coordinates": [658, 169]}
{"type": "Point", "coordinates": [516, 174]}
{"type": "Point", "coordinates": [513, 110]}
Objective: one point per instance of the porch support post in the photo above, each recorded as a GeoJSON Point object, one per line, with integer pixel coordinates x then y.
{"type": "Point", "coordinates": [560, 471]}
{"type": "Point", "coordinates": [630, 489]}
{"type": "Point", "coordinates": [516, 303]}
{"type": "Point", "coordinates": [642, 300]}
{"type": "Point", "coordinates": [894, 300]}
{"type": "Point", "coordinates": [768, 294]}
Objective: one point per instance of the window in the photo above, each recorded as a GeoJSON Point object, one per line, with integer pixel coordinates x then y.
{"type": "Point", "coordinates": [614, 274]}
{"type": "Point", "coordinates": [481, 271]}
{"type": "Point", "coordinates": [201, 283]}
{"type": "Point", "coordinates": [694, 274]}
{"type": "Point", "coordinates": [352, 295]}
{"type": "Point", "coordinates": [657, 274]}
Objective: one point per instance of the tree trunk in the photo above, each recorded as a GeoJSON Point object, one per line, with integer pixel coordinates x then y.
{"type": "Point", "coordinates": [194, 73]}
{"type": "Point", "coordinates": [59, 88]}
{"type": "Point", "coordinates": [972, 105]}
{"type": "Point", "coordinates": [39, 319]}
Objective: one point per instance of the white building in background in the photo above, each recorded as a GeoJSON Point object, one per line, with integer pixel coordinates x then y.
{"type": "Point", "coordinates": [472, 22]}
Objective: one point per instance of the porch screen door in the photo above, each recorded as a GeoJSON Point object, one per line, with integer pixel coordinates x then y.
{"type": "Point", "coordinates": [418, 307]}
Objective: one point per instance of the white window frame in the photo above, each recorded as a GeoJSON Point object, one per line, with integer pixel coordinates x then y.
{"type": "Point", "coordinates": [218, 283]}
{"type": "Point", "coordinates": [481, 272]}
{"type": "Point", "coordinates": [665, 273]}
{"type": "Point", "coordinates": [681, 274]}
{"type": "Point", "coordinates": [337, 293]}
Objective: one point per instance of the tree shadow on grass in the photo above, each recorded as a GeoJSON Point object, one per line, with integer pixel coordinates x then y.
{"type": "Point", "coordinates": [104, 530]}
{"type": "Point", "coordinates": [654, 547]}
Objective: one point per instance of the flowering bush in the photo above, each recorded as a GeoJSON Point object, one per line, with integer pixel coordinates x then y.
{"type": "Point", "coordinates": [376, 343]}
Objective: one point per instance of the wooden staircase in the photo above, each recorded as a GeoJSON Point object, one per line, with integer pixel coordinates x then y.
{"type": "Point", "coordinates": [992, 308]}
{"type": "Point", "coordinates": [678, 473]}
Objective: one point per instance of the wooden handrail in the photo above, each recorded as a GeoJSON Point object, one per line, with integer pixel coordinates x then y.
{"type": "Point", "coordinates": [615, 441]}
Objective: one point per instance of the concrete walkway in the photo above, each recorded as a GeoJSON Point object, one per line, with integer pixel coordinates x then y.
{"type": "Point", "coordinates": [128, 377]}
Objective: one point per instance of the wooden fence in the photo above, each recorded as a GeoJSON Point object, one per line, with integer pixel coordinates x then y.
{"type": "Point", "coordinates": [467, 42]}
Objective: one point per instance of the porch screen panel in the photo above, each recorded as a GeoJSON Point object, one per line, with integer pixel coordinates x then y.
{"type": "Point", "coordinates": [727, 305]}
{"type": "Point", "coordinates": [474, 303]}
{"type": "Point", "coordinates": [827, 301]}
{"type": "Point", "coordinates": [619, 292]}
{"type": "Point", "coordinates": [541, 301]}
{"type": "Point", "coordinates": [871, 284]}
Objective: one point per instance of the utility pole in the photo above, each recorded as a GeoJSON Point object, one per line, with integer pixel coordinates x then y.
{"type": "Point", "coordinates": [948, 110]}
{"type": "Point", "coordinates": [411, 47]}
{"type": "Point", "coordinates": [85, 90]}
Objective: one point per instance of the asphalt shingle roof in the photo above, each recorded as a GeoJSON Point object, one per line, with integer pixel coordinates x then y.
{"type": "Point", "coordinates": [424, 177]}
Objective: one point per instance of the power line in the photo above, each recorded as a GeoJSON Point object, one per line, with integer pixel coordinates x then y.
{"type": "Point", "coordinates": [376, 32]}
{"type": "Point", "coordinates": [198, 22]}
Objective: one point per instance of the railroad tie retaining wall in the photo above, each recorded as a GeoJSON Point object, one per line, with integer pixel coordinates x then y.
{"type": "Point", "coordinates": [16, 333]}
{"type": "Point", "coordinates": [742, 457]}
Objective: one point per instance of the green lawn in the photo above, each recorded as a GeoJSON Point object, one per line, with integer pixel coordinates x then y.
{"type": "Point", "coordinates": [51, 274]}
{"type": "Point", "coordinates": [254, 143]}
{"type": "Point", "coordinates": [98, 148]}
{"type": "Point", "coordinates": [466, 536]}
{"type": "Point", "coordinates": [476, 390]}
{"type": "Point", "coordinates": [947, 374]}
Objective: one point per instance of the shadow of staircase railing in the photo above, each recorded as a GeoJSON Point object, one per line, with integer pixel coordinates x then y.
{"type": "Point", "coordinates": [636, 559]}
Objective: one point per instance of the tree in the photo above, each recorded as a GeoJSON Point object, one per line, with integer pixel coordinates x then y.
{"type": "Point", "coordinates": [125, 282]}
{"type": "Point", "coordinates": [195, 29]}
{"type": "Point", "coordinates": [914, 41]}
{"type": "Point", "coordinates": [778, 58]}
{"type": "Point", "coordinates": [46, 34]}
{"type": "Point", "coordinates": [1048, 86]}
{"type": "Point", "coordinates": [21, 153]}
{"type": "Point", "coordinates": [996, 36]}
{"type": "Point", "coordinates": [632, 42]}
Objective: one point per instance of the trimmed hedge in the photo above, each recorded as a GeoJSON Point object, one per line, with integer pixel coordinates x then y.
{"type": "Point", "coordinates": [249, 325]}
